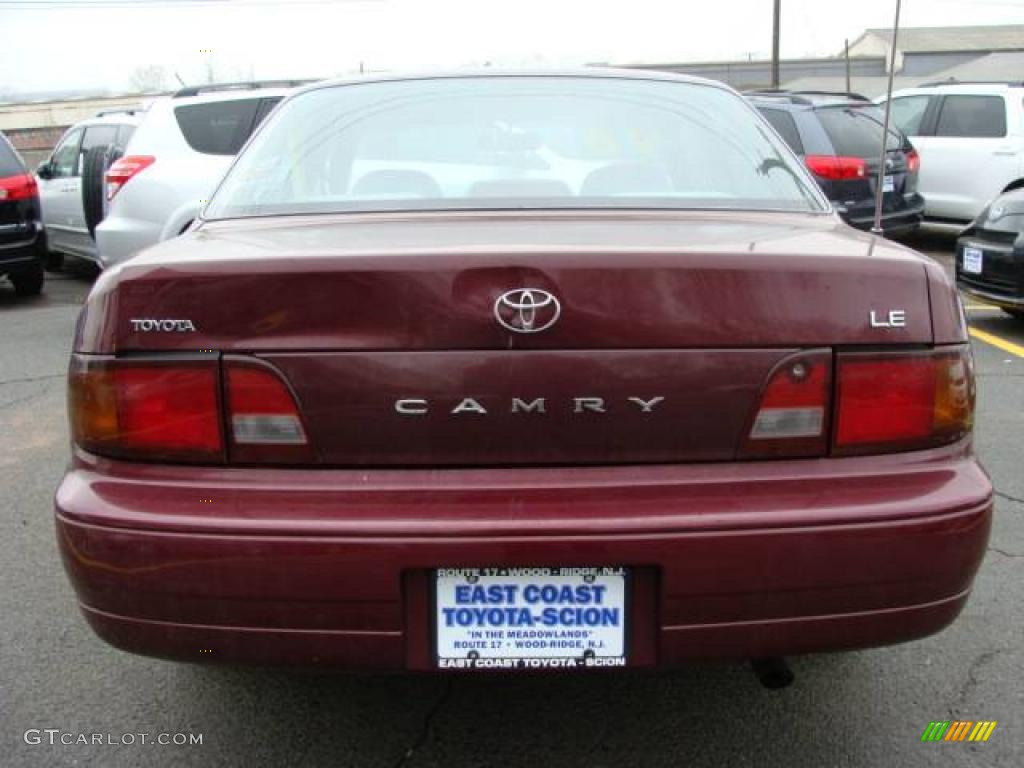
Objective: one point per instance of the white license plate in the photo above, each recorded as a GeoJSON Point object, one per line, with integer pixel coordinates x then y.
{"type": "Point", "coordinates": [530, 618]}
{"type": "Point", "coordinates": [973, 258]}
{"type": "Point", "coordinates": [888, 184]}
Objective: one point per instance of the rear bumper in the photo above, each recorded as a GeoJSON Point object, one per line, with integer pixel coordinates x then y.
{"type": "Point", "coordinates": [1005, 299]}
{"type": "Point", "coordinates": [21, 247]}
{"type": "Point", "coordinates": [332, 567]}
{"type": "Point", "coordinates": [1002, 281]}
{"type": "Point", "coordinates": [118, 238]}
{"type": "Point", "coordinates": [904, 218]}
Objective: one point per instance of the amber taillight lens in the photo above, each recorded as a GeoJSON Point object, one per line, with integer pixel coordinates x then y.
{"type": "Point", "coordinates": [147, 410]}
{"type": "Point", "coordinates": [903, 401]}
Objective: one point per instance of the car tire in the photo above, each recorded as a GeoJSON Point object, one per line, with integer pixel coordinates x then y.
{"type": "Point", "coordinates": [30, 282]}
{"type": "Point", "coordinates": [94, 199]}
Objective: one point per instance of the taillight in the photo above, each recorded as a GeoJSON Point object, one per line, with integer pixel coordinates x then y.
{"type": "Point", "coordinates": [147, 410]}
{"type": "Point", "coordinates": [913, 161]}
{"type": "Point", "coordinates": [20, 187]}
{"type": "Point", "coordinates": [264, 421]}
{"type": "Point", "coordinates": [793, 413]}
{"type": "Point", "coordinates": [879, 402]}
{"type": "Point", "coordinates": [173, 410]}
{"type": "Point", "coordinates": [124, 170]}
{"type": "Point", "coordinates": [836, 168]}
{"type": "Point", "coordinates": [903, 401]}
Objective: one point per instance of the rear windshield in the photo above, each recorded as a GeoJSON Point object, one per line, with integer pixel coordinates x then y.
{"type": "Point", "coordinates": [784, 123]}
{"type": "Point", "coordinates": [10, 164]}
{"type": "Point", "coordinates": [857, 131]}
{"type": "Point", "coordinates": [218, 127]}
{"type": "Point", "coordinates": [513, 142]}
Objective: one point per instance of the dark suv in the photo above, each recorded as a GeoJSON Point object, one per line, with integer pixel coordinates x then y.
{"type": "Point", "coordinates": [22, 247]}
{"type": "Point", "coordinates": [839, 137]}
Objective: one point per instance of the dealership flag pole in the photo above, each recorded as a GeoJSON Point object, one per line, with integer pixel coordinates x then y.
{"type": "Point", "coordinates": [880, 181]}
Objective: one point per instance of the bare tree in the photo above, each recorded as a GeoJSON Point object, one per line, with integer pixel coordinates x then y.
{"type": "Point", "coordinates": [149, 78]}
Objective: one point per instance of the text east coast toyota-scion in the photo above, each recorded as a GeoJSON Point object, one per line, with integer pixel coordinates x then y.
{"type": "Point", "coordinates": [520, 371]}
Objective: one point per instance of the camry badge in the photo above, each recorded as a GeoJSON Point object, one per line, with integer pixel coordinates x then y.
{"type": "Point", "coordinates": [527, 310]}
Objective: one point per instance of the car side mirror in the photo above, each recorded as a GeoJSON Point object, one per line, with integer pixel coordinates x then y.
{"type": "Point", "coordinates": [45, 170]}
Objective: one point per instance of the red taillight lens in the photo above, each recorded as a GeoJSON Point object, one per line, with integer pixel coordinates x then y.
{"type": "Point", "coordinates": [902, 401]}
{"type": "Point", "coordinates": [172, 411]}
{"type": "Point", "coordinates": [792, 415]}
{"type": "Point", "coordinates": [263, 417]}
{"type": "Point", "coordinates": [20, 187]}
{"type": "Point", "coordinates": [124, 170]}
{"type": "Point", "coordinates": [913, 161]}
{"type": "Point", "coordinates": [836, 168]}
{"type": "Point", "coordinates": [147, 410]}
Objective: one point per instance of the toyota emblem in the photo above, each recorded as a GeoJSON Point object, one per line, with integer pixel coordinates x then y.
{"type": "Point", "coordinates": [527, 310]}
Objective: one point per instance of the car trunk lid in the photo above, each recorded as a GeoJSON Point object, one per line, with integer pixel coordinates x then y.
{"type": "Point", "coordinates": [387, 331]}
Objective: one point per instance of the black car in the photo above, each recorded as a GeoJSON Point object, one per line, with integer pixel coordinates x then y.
{"type": "Point", "coordinates": [990, 254]}
{"type": "Point", "coordinates": [839, 139]}
{"type": "Point", "coordinates": [22, 243]}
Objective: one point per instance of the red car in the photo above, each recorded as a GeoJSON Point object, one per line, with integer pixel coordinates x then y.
{"type": "Point", "coordinates": [520, 371]}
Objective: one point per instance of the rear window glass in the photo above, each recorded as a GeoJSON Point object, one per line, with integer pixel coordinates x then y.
{"type": "Point", "coordinates": [857, 131]}
{"type": "Point", "coordinates": [972, 116]}
{"type": "Point", "coordinates": [784, 123]}
{"type": "Point", "coordinates": [10, 165]}
{"type": "Point", "coordinates": [218, 127]}
{"type": "Point", "coordinates": [513, 142]}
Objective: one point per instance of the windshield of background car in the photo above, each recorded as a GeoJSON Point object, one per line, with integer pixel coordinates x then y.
{"type": "Point", "coordinates": [513, 142]}
{"type": "Point", "coordinates": [857, 131]}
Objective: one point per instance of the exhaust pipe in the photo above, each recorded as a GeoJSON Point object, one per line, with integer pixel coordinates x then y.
{"type": "Point", "coordinates": [773, 673]}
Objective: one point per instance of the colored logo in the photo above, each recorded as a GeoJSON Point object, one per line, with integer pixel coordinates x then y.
{"type": "Point", "coordinates": [958, 730]}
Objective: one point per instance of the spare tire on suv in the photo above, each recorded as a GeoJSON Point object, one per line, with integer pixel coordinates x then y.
{"type": "Point", "coordinates": [94, 197]}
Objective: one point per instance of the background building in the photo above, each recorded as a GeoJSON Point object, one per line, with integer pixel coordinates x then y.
{"type": "Point", "coordinates": [923, 54]}
{"type": "Point", "coordinates": [35, 127]}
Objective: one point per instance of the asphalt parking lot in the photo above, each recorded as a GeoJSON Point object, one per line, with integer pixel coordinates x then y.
{"type": "Point", "coordinates": [863, 708]}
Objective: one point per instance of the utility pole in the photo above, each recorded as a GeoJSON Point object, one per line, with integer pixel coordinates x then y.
{"type": "Point", "coordinates": [776, 80]}
{"type": "Point", "coordinates": [848, 87]}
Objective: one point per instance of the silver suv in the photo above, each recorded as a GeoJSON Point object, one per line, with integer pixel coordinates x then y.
{"type": "Point", "coordinates": [175, 160]}
{"type": "Point", "coordinates": [71, 181]}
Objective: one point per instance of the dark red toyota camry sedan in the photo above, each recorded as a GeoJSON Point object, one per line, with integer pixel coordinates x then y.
{"type": "Point", "coordinates": [520, 371]}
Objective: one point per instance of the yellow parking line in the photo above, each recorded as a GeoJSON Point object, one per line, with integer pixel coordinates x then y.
{"type": "Point", "coordinates": [996, 341]}
{"type": "Point", "coordinates": [986, 307]}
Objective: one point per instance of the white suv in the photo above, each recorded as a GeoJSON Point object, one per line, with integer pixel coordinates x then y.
{"type": "Point", "coordinates": [971, 140]}
{"type": "Point", "coordinates": [175, 160]}
{"type": "Point", "coordinates": [64, 187]}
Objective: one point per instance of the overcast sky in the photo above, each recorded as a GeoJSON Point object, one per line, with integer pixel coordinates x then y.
{"type": "Point", "coordinates": [64, 44]}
